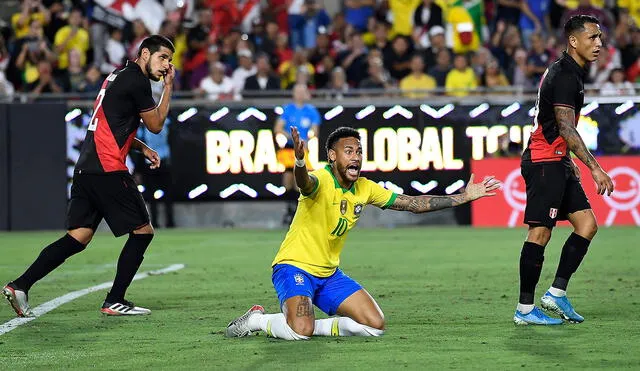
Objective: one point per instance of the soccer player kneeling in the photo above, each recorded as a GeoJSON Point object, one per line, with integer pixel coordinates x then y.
{"type": "Point", "coordinates": [305, 270]}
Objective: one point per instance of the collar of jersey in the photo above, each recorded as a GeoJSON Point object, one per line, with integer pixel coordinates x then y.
{"type": "Point", "coordinates": [337, 184]}
{"type": "Point", "coordinates": [572, 62]}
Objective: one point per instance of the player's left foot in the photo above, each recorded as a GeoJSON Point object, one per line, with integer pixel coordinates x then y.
{"type": "Point", "coordinates": [123, 308]}
{"type": "Point", "coordinates": [561, 306]}
{"type": "Point", "coordinates": [18, 300]}
{"type": "Point", "coordinates": [239, 327]}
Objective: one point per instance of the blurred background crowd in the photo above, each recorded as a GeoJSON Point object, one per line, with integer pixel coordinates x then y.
{"type": "Point", "coordinates": [234, 49]}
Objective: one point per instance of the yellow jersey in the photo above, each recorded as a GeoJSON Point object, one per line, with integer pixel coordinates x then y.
{"type": "Point", "coordinates": [323, 221]}
{"type": "Point", "coordinates": [79, 41]}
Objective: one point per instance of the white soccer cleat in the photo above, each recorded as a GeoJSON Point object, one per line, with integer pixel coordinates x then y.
{"type": "Point", "coordinates": [18, 300]}
{"type": "Point", "coordinates": [239, 327]}
{"type": "Point", "coordinates": [125, 308]}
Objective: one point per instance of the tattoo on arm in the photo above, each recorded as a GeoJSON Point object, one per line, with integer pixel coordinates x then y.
{"type": "Point", "coordinates": [304, 309]}
{"type": "Point", "coordinates": [565, 117]}
{"type": "Point", "coordinates": [422, 204]}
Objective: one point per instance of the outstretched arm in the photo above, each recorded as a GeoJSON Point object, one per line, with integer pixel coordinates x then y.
{"type": "Point", "coordinates": [307, 183]}
{"type": "Point", "coordinates": [565, 117]}
{"type": "Point", "coordinates": [423, 204]}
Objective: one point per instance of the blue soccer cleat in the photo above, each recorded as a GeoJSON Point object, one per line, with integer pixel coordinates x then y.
{"type": "Point", "coordinates": [535, 317]}
{"type": "Point", "coordinates": [561, 306]}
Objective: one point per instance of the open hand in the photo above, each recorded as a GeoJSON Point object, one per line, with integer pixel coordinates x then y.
{"type": "Point", "coordinates": [603, 181]}
{"type": "Point", "coordinates": [298, 144]}
{"type": "Point", "coordinates": [485, 188]}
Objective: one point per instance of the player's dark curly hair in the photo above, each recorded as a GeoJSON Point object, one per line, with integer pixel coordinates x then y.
{"type": "Point", "coordinates": [576, 24]}
{"type": "Point", "coordinates": [339, 133]}
{"type": "Point", "coordinates": [154, 43]}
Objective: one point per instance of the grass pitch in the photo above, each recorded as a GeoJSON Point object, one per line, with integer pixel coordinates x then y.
{"type": "Point", "coordinates": [448, 294]}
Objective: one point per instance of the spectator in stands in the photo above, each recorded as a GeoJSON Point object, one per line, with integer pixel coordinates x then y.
{"type": "Point", "coordinates": [31, 10]}
{"type": "Point", "coordinates": [628, 40]}
{"type": "Point", "coordinates": [381, 36]}
{"type": "Point", "coordinates": [617, 85]}
{"type": "Point", "coordinates": [504, 44]}
{"type": "Point", "coordinates": [46, 82]}
{"type": "Point", "coordinates": [262, 80]}
{"type": "Point", "coordinates": [378, 77]}
{"type": "Point", "coordinates": [357, 13]}
{"type": "Point", "coordinates": [539, 58]}
{"type": "Point", "coordinates": [72, 36]}
{"type": "Point", "coordinates": [397, 59]}
{"type": "Point", "coordinates": [283, 52]}
{"type": "Point", "coordinates": [414, 84]}
{"type": "Point", "coordinates": [57, 19]}
{"type": "Point", "coordinates": [338, 85]}
{"type": "Point", "coordinates": [74, 75]}
{"type": "Point", "coordinates": [493, 78]}
{"type": "Point", "coordinates": [401, 12]}
{"type": "Point", "coordinates": [322, 77]}
{"type": "Point", "coordinates": [426, 16]}
{"type": "Point", "coordinates": [440, 71]}
{"type": "Point", "coordinates": [295, 20]}
{"type": "Point", "coordinates": [479, 61]}
{"type": "Point", "coordinates": [354, 60]}
{"type": "Point", "coordinates": [460, 80]}
{"type": "Point", "coordinates": [315, 18]}
{"type": "Point", "coordinates": [115, 52]}
{"type": "Point", "coordinates": [33, 49]}
{"type": "Point", "coordinates": [217, 86]}
{"type": "Point", "coordinates": [518, 70]}
{"type": "Point", "coordinates": [6, 88]}
{"type": "Point", "coordinates": [323, 48]}
{"type": "Point", "coordinates": [534, 19]}
{"type": "Point", "coordinates": [92, 82]}
{"type": "Point", "coordinates": [200, 71]}
{"type": "Point", "coordinates": [437, 42]}
{"type": "Point", "coordinates": [268, 39]}
{"type": "Point", "coordinates": [245, 69]}
{"type": "Point", "coordinates": [277, 11]}
{"type": "Point", "coordinates": [289, 69]}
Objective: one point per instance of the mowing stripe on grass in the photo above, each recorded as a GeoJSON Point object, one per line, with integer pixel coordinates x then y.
{"type": "Point", "coordinates": [53, 304]}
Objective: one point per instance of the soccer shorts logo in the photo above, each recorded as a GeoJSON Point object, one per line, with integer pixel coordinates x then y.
{"type": "Point", "coordinates": [553, 213]}
{"type": "Point", "coordinates": [299, 278]}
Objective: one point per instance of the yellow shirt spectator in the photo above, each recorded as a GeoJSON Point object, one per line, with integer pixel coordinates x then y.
{"type": "Point", "coordinates": [458, 82]}
{"type": "Point", "coordinates": [572, 4]}
{"type": "Point", "coordinates": [403, 15]}
{"type": "Point", "coordinates": [411, 83]}
{"type": "Point", "coordinates": [22, 30]}
{"type": "Point", "coordinates": [633, 7]}
{"type": "Point", "coordinates": [288, 73]}
{"type": "Point", "coordinates": [79, 40]}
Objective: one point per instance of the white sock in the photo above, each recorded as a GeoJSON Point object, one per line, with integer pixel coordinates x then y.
{"type": "Point", "coordinates": [275, 325]}
{"type": "Point", "coordinates": [343, 326]}
{"type": "Point", "coordinates": [525, 308]}
{"type": "Point", "coordinates": [557, 292]}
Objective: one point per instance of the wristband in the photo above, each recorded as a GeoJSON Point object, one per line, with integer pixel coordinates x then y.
{"type": "Point", "coordinates": [300, 163]}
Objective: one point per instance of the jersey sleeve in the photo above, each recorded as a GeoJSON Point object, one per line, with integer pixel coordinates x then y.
{"type": "Point", "coordinates": [141, 95]}
{"type": "Point", "coordinates": [565, 88]}
{"type": "Point", "coordinates": [380, 196]}
{"type": "Point", "coordinates": [320, 182]}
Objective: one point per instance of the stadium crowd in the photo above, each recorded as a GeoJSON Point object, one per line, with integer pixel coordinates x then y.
{"type": "Point", "coordinates": [230, 49]}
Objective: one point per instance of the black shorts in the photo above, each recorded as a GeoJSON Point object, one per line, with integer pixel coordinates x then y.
{"type": "Point", "coordinates": [553, 192]}
{"type": "Point", "coordinates": [112, 196]}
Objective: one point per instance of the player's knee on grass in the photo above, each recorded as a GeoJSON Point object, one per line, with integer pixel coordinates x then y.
{"type": "Point", "coordinates": [376, 322]}
{"type": "Point", "coordinates": [539, 235]}
{"type": "Point", "coordinates": [301, 326]}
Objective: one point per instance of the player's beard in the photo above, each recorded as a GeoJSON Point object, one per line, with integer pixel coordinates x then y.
{"type": "Point", "coordinates": [150, 72]}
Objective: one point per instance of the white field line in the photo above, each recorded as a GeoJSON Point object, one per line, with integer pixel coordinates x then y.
{"type": "Point", "coordinates": [53, 304]}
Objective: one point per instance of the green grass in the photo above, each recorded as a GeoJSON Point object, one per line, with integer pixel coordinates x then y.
{"type": "Point", "coordinates": [448, 295]}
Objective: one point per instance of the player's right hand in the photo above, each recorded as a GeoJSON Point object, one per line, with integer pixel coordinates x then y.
{"type": "Point", "coordinates": [298, 144]}
{"type": "Point", "coordinates": [603, 181]}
